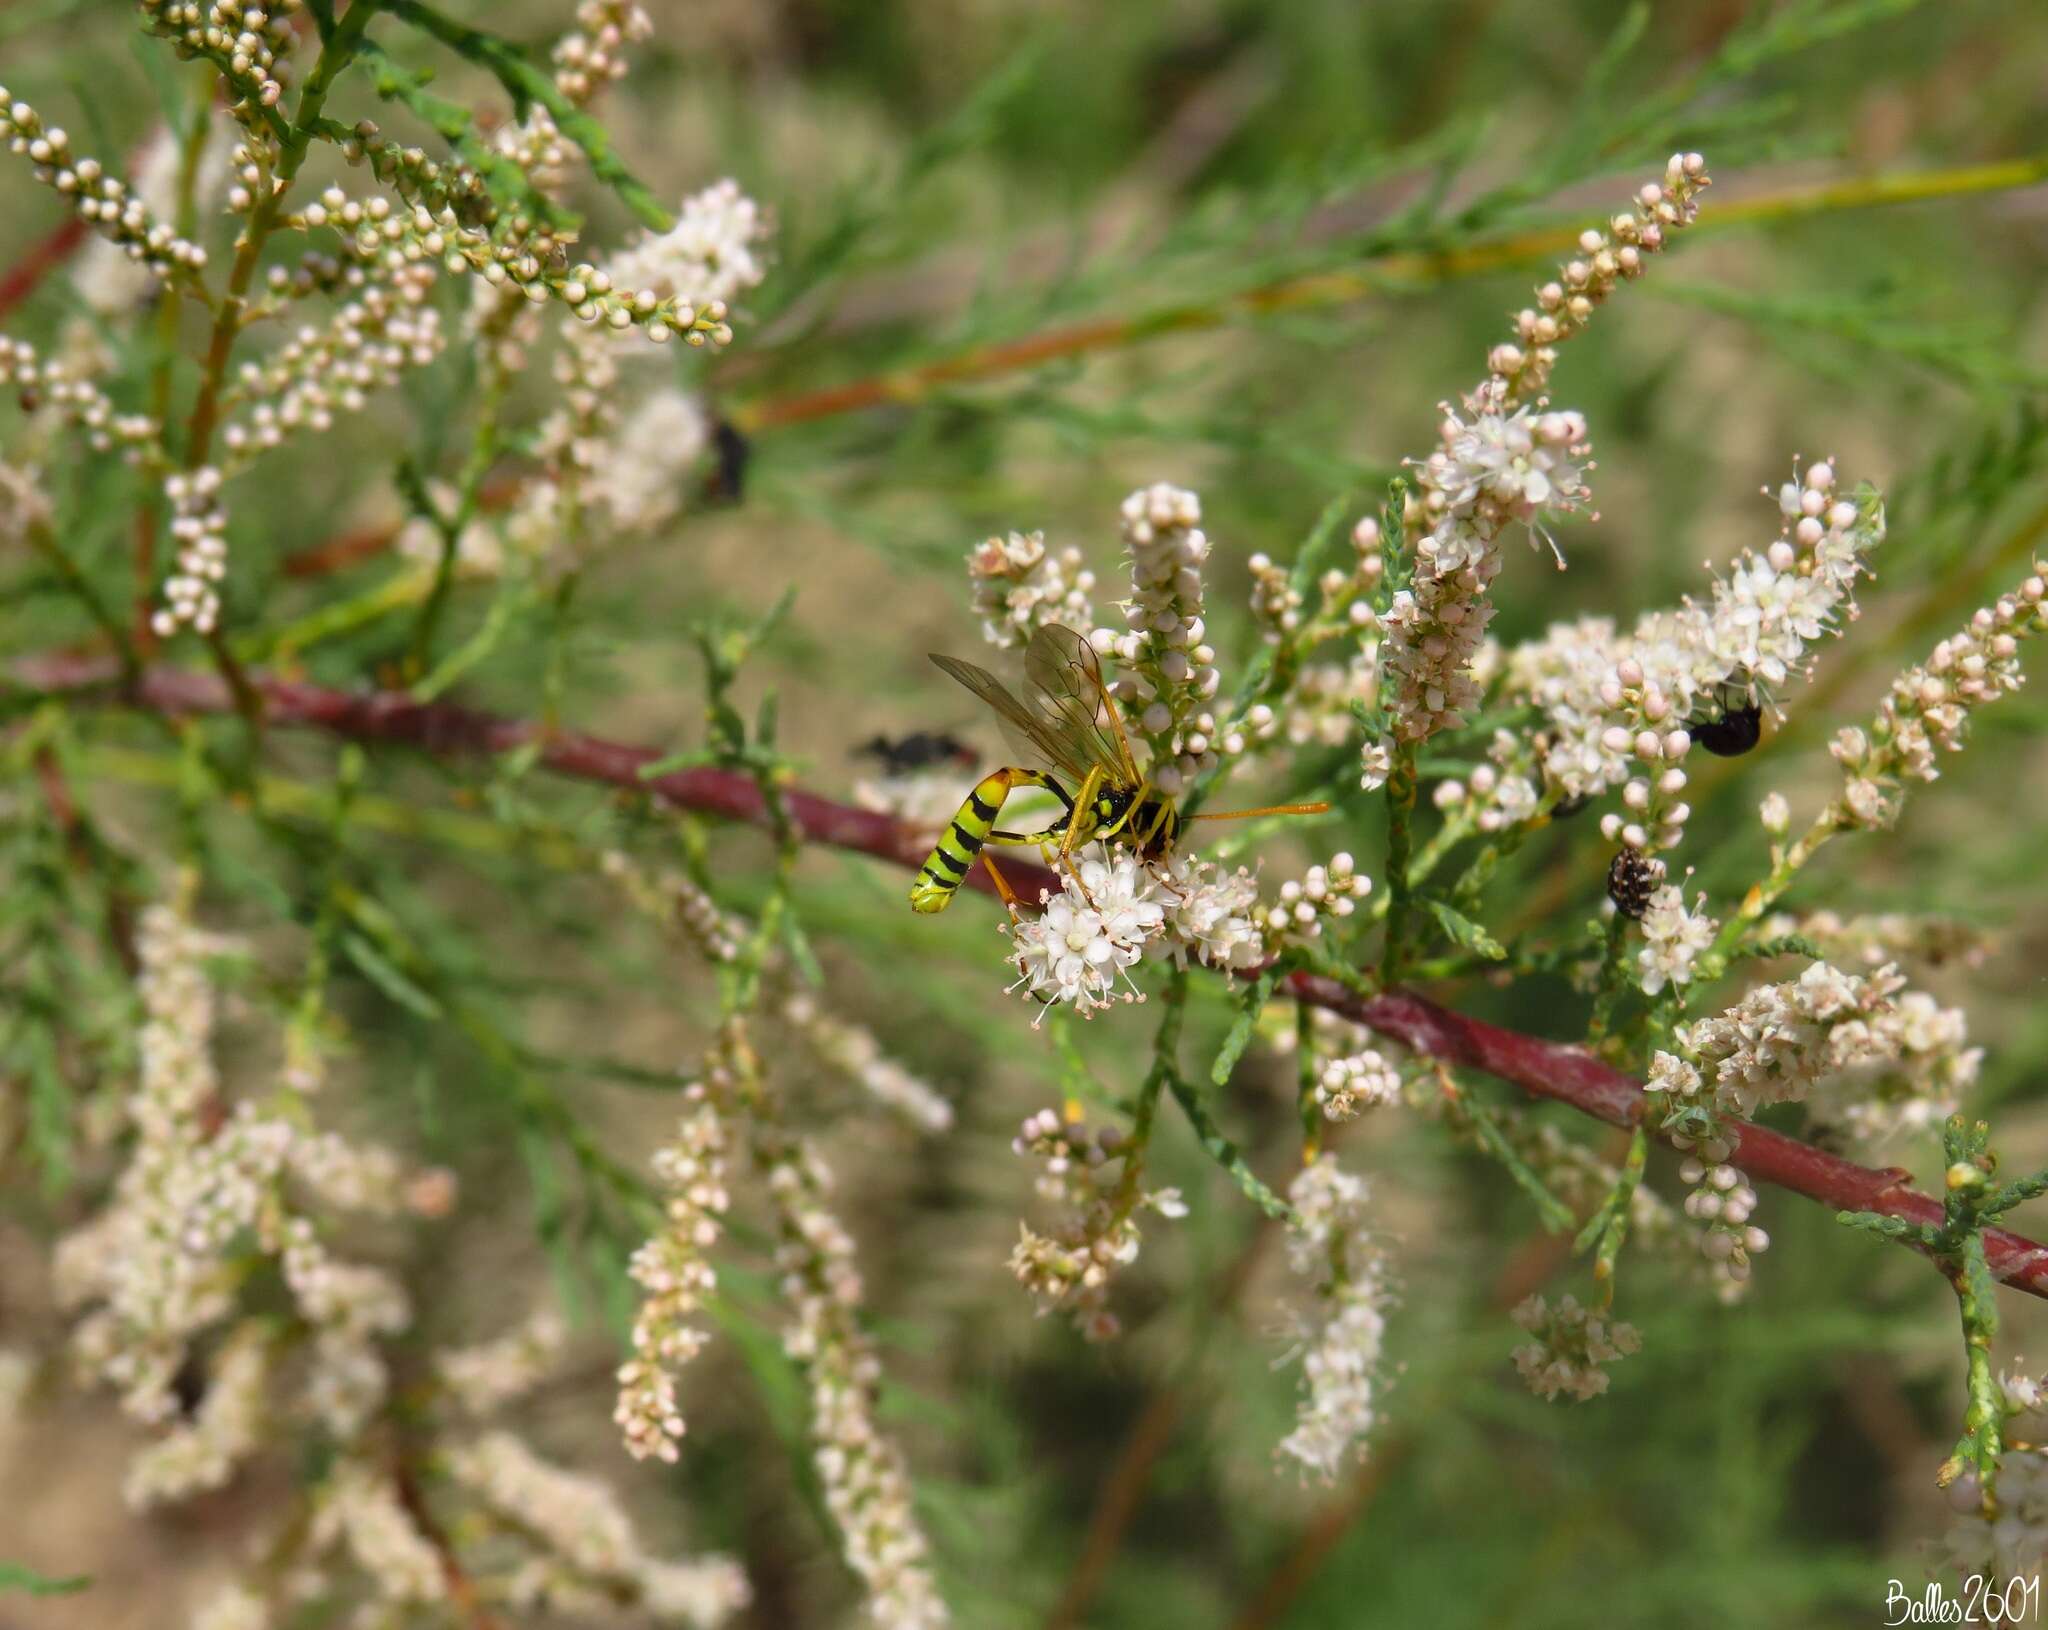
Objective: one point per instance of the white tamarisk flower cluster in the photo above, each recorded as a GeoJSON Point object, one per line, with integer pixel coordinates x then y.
{"type": "Point", "coordinates": [1212, 915]}
{"type": "Point", "coordinates": [73, 397]}
{"type": "Point", "coordinates": [710, 257]}
{"type": "Point", "coordinates": [487, 1375]}
{"type": "Point", "coordinates": [104, 202]}
{"type": "Point", "coordinates": [1914, 1085]}
{"type": "Point", "coordinates": [1330, 1247]}
{"type": "Point", "coordinates": [673, 1269]}
{"type": "Point", "coordinates": [856, 1054]}
{"type": "Point", "coordinates": [1617, 708]}
{"type": "Point", "coordinates": [233, 1607]}
{"type": "Point", "coordinates": [640, 481]}
{"type": "Point", "coordinates": [1166, 673]}
{"type": "Point", "coordinates": [1323, 892]}
{"type": "Point", "coordinates": [319, 372]}
{"type": "Point", "coordinates": [1019, 585]}
{"type": "Point", "coordinates": [199, 527]}
{"type": "Point", "coordinates": [202, 1454]}
{"type": "Point", "coordinates": [1876, 938]}
{"type": "Point", "coordinates": [1081, 946]}
{"type": "Point", "coordinates": [357, 1507]}
{"type": "Point", "coordinates": [209, 1191]}
{"type": "Point", "coordinates": [1779, 1041]}
{"type": "Point", "coordinates": [1673, 938]}
{"type": "Point", "coordinates": [112, 281]}
{"type": "Point", "coordinates": [1355, 1081]}
{"type": "Point", "coordinates": [1071, 1269]}
{"type": "Point", "coordinates": [1927, 711]}
{"type": "Point", "coordinates": [584, 1539]}
{"type": "Point", "coordinates": [862, 1471]}
{"type": "Point", "coordinates": [1505, 457]}
{"type": "Point", "coordinates": [1571, 1346]}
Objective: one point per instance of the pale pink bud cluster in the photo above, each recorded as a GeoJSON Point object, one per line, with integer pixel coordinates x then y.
{"type": "Point", "coordinates": [673, 1270]}
{"type": "Point", "coordinates": [1166, 674]}
{"type": "Point", "coordinates": [199, 530]}
{"type": "Point", "coordinates": [581, 1538]}
{"type": "Point", "coordinates": [865, 1480]}
{"type": "Point", "coordinates": [1927, 711]}
{"type": "Point", "coordinates": [856, 1054]}
{"type": "Point", "coordinates": [591, 55]}
{"type": "Point", "coordinates": [1019, 585]}
{"type": "Point", "coordinates": [1505, 458]}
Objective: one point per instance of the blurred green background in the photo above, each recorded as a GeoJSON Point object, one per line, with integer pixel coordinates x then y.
{"type": "Point", "coordinates": [952, 174]}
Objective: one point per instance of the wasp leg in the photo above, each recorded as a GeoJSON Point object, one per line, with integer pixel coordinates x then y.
{"type": "Point", "coordinates": [1004, 892]}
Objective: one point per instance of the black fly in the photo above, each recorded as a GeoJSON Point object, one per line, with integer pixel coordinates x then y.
{"type": "Point", "coordinates": [920, 750]}
{"type": "Point", "coordinates": [1736, 731]}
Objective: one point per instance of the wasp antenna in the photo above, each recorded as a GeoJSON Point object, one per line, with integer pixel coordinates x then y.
{"type": "Point", "coordinates": [1268, 809]}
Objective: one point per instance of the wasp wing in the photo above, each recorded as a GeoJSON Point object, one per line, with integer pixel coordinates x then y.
{"type": "Point", "coordinates": [1066, 682]}
{"type": "Point", "coordinates": [1034, 734]}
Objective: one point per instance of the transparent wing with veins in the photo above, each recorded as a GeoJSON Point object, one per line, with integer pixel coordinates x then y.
{"type": "Point", "coordinates": [1066, 681]}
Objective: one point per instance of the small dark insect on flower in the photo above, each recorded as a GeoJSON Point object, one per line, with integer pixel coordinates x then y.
{"type": "Point", "coordinates": [1733, 734]}
{"type": "Point", "coordinates": [726, 484]}
{"type": "Point", "coordinates": [1630, 881]}
{"type": "Point", "coordinates": [1570, 807]}
{"type": "Point", "coordinates": [920, 750]}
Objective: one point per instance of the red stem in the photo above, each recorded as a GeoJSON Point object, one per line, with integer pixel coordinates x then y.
{"type": "Point", "coordinates": [48, 252]}
{"type": "Point", "coordinates": [1556, 1070]}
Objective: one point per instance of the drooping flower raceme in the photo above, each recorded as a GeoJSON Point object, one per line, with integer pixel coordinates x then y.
{"type": "Point", "coordinates": [1330, 1247]}
{"type": "Point", "coordinates": [1091, 1177]}
{"type": "Point", "coordinates": [584, 1542]}
{"type": "Point", "coordinates": [674, 1272]}
{"type": "Point", "coordinates": [1505, 457]}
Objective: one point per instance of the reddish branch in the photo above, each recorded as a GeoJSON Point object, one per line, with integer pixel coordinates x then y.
{"type": "Point", "coordinates": [1555, 1070]}
{"type": "Point", "coordinates": [51, 250]}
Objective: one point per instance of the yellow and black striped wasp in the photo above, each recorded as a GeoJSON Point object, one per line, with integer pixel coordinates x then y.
{"type": "Point", "coordinates": [1071, 724]}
